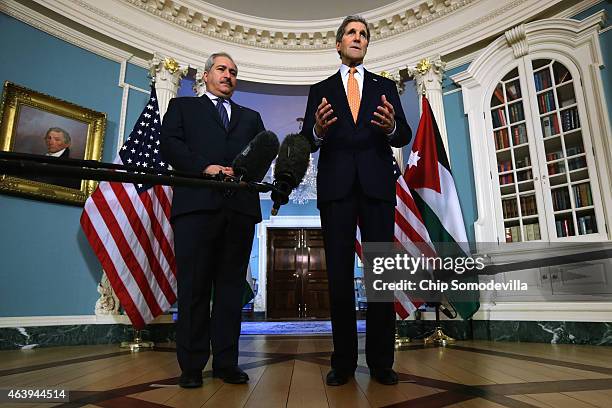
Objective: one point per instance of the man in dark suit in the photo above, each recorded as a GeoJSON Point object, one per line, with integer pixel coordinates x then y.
{"type": "Point", "coordinates": [213, 229]}
{"type": "Point", "coordinates": [354, 117]}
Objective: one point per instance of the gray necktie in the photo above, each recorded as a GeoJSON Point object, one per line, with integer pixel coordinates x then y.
{"type": "Point", "coordinates": [222, 112]}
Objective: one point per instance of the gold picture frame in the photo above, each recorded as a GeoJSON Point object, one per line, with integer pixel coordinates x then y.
{"type": "Point", "coordinates": [35, 123]}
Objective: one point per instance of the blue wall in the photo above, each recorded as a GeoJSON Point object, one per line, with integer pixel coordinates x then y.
{"type": "Point", "coordinates": [46, 264]}
{"type": "Point", "coordinates": [460, 151]}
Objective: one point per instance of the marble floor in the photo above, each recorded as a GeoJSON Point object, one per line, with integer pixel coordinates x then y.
{"type": "Point", "coordinates": [289, 371]}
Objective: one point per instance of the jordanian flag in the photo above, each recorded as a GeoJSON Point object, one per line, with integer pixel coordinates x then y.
{"type": "Point", "coordinates": [428, 176]}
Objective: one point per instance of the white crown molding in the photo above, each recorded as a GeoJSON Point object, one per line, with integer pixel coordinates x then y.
{"type": "Point", "coordinates": [577, 8]}
{"type": "Point", "coordinates": [210, 20]}
{"type": "Point", "coordinates": [391, 51]}
{"type": "Point", "coordinates": [566, 13]}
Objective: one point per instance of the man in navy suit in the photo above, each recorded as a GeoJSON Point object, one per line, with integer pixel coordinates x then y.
{"type": "Point", "coordinates": [355, 117]}
{"type": "Point", "coordinates": [213, 230]}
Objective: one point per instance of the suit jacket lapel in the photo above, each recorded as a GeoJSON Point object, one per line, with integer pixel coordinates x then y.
{"type": "Point", "coordinates": [365, 106]}
{"type": "Point", "coordinates": [236, 112]}
{"type": "Point", "coordinates": [208, 104]}
{"type": "Point", "coordinates": [342, 110]}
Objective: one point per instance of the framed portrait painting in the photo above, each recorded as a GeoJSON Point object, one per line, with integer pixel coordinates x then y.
{"type": "Point", "coordinates": [34, 123]}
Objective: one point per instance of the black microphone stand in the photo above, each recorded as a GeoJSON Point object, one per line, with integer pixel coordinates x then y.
{"type": "Point", "coordinates": [20, 164]}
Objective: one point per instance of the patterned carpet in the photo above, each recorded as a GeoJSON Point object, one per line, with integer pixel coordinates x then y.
{"type": "Point", "coordinates": [299, 327]}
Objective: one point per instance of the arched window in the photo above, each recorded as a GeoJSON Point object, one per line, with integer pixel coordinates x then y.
{"type": "Point", "coordinates": [540, 134]}
{"type": "Point", "coordinates": [546, 189]}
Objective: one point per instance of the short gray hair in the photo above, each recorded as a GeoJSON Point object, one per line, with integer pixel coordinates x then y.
{"type": "Point", "coordinates": [60, 130]}
{"type": "Point", "coordinates": [351, 19]}
{"type": "Point", "coordinates": [211, 60]}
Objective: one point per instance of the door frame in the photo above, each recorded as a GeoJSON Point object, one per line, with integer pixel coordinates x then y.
{"type": "Point", "coordinates": [297, 221]}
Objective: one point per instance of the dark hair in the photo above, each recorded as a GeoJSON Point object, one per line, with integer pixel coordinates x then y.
{"type": "Point", "coordinates": [350, 19]}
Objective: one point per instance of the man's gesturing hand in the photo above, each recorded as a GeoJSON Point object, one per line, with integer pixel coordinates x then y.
{"type": "Point", "coordinates": [324, 118]}
{"type": "Point", "coordinates": [385, 115]}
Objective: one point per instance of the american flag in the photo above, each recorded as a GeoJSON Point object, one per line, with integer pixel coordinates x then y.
{"type": "Point", "coordinates": [128, 227]}
{"type": "Point", "coordinates": [409, 229]}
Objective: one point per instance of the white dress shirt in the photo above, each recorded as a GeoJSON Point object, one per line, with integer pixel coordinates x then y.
{"type": "Point", "coordinates": [56, 154]}
{"type": "Point", "coordinates": [344, 75]}
{"type": "Point", "coordinates": [226, 104]}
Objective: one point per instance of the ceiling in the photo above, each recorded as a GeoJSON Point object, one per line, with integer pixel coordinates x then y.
{"type": "Point", "coordinates": [299, 10]}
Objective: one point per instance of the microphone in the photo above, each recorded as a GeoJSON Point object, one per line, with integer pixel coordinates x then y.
{"type": "Point", "coordinates": [253, 162]}
{"type": "Point", "coordinates": [290, 169]}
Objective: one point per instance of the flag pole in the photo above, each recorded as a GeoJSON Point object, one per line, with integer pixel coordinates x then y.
{"type": "Point", "coordinates": [399, 340]}
{"type": "Point", "coordinates": [138, 343]}
{"type": "Point", "coordinates": [438, 338]}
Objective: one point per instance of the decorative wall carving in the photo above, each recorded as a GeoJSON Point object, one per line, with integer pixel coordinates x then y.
{"type": "Point", "coordinates": [394, 19]}
{"type": "Point", "coordinates": [517, 39]}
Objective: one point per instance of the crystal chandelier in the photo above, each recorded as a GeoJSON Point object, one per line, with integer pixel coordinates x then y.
{"type": "Point", "coordinates": [307, 190]}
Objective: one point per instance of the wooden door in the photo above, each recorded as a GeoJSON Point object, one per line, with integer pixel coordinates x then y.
{"type": "Point", "coordinates": [297, 278]}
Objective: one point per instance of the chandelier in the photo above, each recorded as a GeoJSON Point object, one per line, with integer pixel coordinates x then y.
{"type": "Point", "coordinates": [307, 190]}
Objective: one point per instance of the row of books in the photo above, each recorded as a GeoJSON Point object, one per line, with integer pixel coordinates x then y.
{"type": "Point", "coordinates": [570, 119]}
{"type": "Point", "coordinates": [556, 168]}
{"type": "Point", "coordinates": [501, 139]}
{"type": "Point", "coordinates": [510, 208]}
{"type": "Point", "coordinates": [528, 205]}
{"type": "Point", "coordinates": [582, 195]}
{"type": "Point", "coordinates": [499, 118]}
{"type": "Point", "coordinates": [531, 232]}
{"type": "Point", "coordinates": [513, 90]}
{"type": "Point", "coordinates": [498, 96]}
{"type": "Point", "coordinates": [561, 199]}
{"type": "Point", "coordinates": [554, 155]}
{"type": "Point", "coordinates": [504, 166]}
{"type": "Point", "coordinates": [519, 134]}
{"type": "Point", "coordinates": [564, 227]}
{"type": "Point", "coordinates": [524, 175]}
{"type": "Point", "coordinates": [550, 125]}
{"type": "Point", "coordinates": [546, 102]}
{"type": "Point", "coordinates": [573, 150]}
{"type": "Point", "coordinates": [513, 234]}
{"type": "Point", "coordinates": [522, 161]}
{"type": "Point", "coordinates": [542, 79]}
{"type": "Point", "coordinates": [506, 179]}
{"type": "Point", "coordinates": [516, 112]}
{"type": "Point", "coordinates": [586, 224]}
{"type": "Point", "coordinates": [576, 163]}
{"type": "Point", "coordinates": [570, 150]}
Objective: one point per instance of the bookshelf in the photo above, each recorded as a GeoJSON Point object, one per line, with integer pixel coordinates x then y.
{"type": "Point", "coordinates": [565, 157]}
{"type": "Point", "coordinates": [545, 184]}
{"type": "Point", "coordinates": [514, 162]}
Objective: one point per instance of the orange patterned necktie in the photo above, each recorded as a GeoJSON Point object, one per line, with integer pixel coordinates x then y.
{"type": "Point", "coordinates": [353, 93]}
